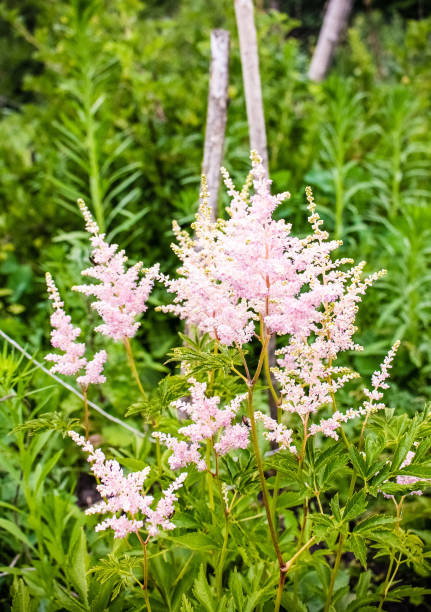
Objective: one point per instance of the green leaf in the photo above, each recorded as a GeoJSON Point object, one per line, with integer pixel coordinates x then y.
{"type": "Point", "coordinates": [422, 449]}
{"type": "Point", "coordinates": [363, 584]}
{"type": "Point", "coordinates": [359, 549]}
{"type": "Point", "coordinates": [202, 592]}
{"type": "Point", "coordinates": [322, 525]}
{"type": "Point", "coordinates": [382, 475]}
{"type": "Point", "coordinates": [401, 592]}
{"type": "Point", "coordinates": [420, 470]}
{"type": "Point", "coordinates": [50, 421]}
{"type": "Point", "coordinates": [77, 570]}
{"type": "Point", "coordinates": [195, 541]}
{"type": "Point", "coordinates": [330, 453]}
{"type": "Point", "coordinates": [374, 523]}
{"type": "Point", "coordinates": [203, 362]}
{"type": "Point", "coordinates": [404, 445]}
{"type": "Point", "coordinates": [358, 461]}
{"type": "Point", "coordinates": [335, 507]}
{"type": "Point", "coordinates": [186, 606]}
{"type": "Point", "coordinates": [20, 596]}
{"type": "Point", "coordinates": [46, 469]}
{"type": "Point", "coordinates": [14, 530]}
{"type": "Point", "coordinates": [71, 604]}
{"type": "Point", "coordinates": [355, 506]}
{"type": "Point", "coordinates": [236, 589]}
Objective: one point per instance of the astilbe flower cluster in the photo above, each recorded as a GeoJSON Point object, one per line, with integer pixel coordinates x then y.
{"type": "Point", "coordinates": [63, 337]}
{"type": "Point", "coordinates": [201, 299]}
{"type": "Point", "coordinates": [250, 268]}
{"type": "Point", "coordinates": [372, 404]}
{"type": "Point", "coordinates": [121, 294]}
{"type": "Point", "coordinates": [246, 268]}
{"type": "Point", "coordinates": [123, 496]}
{"type": "Point", "coordinates": [210, 422]}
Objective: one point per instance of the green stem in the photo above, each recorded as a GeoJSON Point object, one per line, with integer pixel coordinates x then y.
{"type": "Point", "coordinates": [304, 442]}
{"type": "Point", "coordinates": [262, 476]}
{"type": "Point", "coordinates": [209, 476]}
{"type": "Point", "coordinates": [334, 573]}
{"type": "Point", "coordinates": [219, 570]}
{"type": "Point", "coordinates": [145, 585]}
{"type": "Point", "coordinates": [267, 371]}
{"type": "Point", "coordinates": [132, 365]}
{"type": "Point", "coordinates": [292, 560]}
{"type": "Point", "coordinates": [385, 586]}
{"type": "Point", "coordinates": [298, 553]}
{"type": "Point", "coordinates": [277, 401]}
{"type": "Point", "coordinates": [300, 540]}
{"type": "Point", "coordinates": [94, 172]}
{"type": "Point", "coordinates": [275, 497]}
{"type": "Point", "coordinates": [86, 414]}
{"type": "Point", "coordinates": [281, 582]}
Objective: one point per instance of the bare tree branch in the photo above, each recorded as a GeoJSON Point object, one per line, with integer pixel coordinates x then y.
{"type": "Point", "coordinates": [216, 115]}
{"type": "Point", "coordinates": [334, 24]}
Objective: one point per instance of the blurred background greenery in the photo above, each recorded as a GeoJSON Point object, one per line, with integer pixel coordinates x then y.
{"type": "Point", "coordinates": [106, 100]}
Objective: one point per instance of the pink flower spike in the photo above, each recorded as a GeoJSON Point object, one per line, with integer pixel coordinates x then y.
{"type": "Point", "coordinates": [276, 432]}
{"type": "Point", "coordinates": [121, 294]}
{"type": "Point", "coordinates": [209, 422]}
{"type": "Point", "coordinates": [63, 337]}
{"type": "Point", "coordinates": [93, 370]}
{"type": "Point", "coordinates": [123, 497]}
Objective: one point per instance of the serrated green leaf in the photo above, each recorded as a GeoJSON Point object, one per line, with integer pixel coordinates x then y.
{"type": "Point", "coordinates": [236, 589]}
{"type": "Point", "coordinates": [16, 531]}
{"type": "Point", "coordinates": [358, 461]}
{"type": "Point", "coordinates": [403, 447]}
{"type": "Point", "coordinates": [202, 592]}
{"type": "Point", "coordinates": [326, 455]}
{"type": "Point", "coordinates": [355, 506]}
{"type": "Point", "coordinates": [77, 570]}
{"type": "Point", "coordinates": [69, 603]}
{"type": "Point", "coordinates": [374, 523]}
{"type": "Point", "coordinates": [359, 549]}
{"type": "Point", "coordinates": [203, 362]}
{"type": "Point", "coordinates": [335, 507]}
{"type": "Point", "coordinates": [195, 541]}
{"type": "Point", "coordinates": [186, 606]}
{"type": "Point", "coordinates": [20, 596]}
{"type": "Point", "coordinates": [322, 525]}
{"type": "Point", "coordinates": [420, 470]}
{"type": "Point", "coordinates": [401, 592]}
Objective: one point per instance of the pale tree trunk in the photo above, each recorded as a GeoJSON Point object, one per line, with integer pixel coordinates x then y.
{"type": "Point", "coordinates": [216, 115]}
{"type": "Point", "coordinates": [253, 99]}
{"type": "Point", "coordinates": [216, 125]}
{"type": "Point", "coordinates": [251, 77]}
{"type": "Point", "coordinates": [334, 23]}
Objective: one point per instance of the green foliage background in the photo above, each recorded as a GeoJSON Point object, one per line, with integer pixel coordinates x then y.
{"type": "Point", "coordinates": [98, 102]}
{"type": "Point", "coordinates": [106, 100]}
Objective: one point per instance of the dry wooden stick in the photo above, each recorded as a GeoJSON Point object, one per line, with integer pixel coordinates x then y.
{"type": "Point", "coordinates": [334, 24]}
{"type": "Point", "coordinates": [244, 12]}
{"type": "Point", "coordinates": [251, 76]}
{"type": "Point", "coordinates": [216, 115]}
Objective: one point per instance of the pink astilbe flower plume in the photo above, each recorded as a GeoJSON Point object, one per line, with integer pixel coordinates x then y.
{"type": "Point", "coordinates": [63, 337]}
{"type": "Point", "coordinates": [123, 496]}
{"type": "Point", "coordinates": [276, 432]}
{"type": "Point", "coordinates": [306, 375]}
{"type": "Point", "coordinates": [202, 300]}
{"type": "Point", "coordinates": [372, 404]}
{"type": "Point", "coordinates": [209, 423]}
{"type": "Point", "coordinates": [121, 294]}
